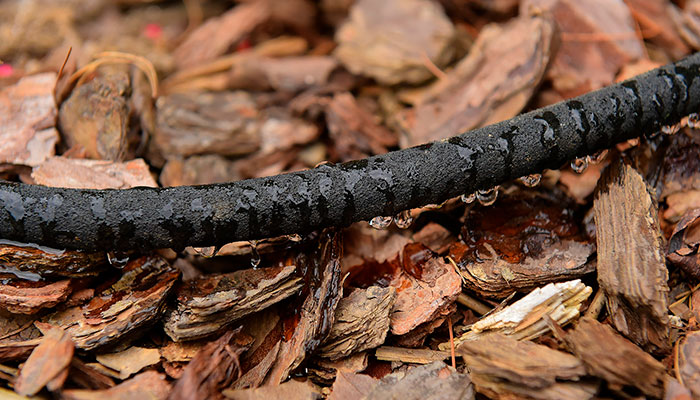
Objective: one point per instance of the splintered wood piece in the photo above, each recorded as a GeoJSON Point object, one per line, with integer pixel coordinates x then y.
{"type": "Point", "coordinates": [608, 355]}
{"type": "Point", "coordinates": [150, 385]}
{"type": "Point", "coordinates": [503, 367]}
{"type": "Point", "coordinates": [377, 42]}
{"type": "Point", "coordinates": [413, 356]}
{"type": "Point", "coordinates": [210, 303]}
{"type": "Point", "coordinates": [18, 350]}
{"type": "Point", "coordinates": [526, 318]}
{"type": "Point", "coordinates": [689, 360]}
{"type": "Point", "coordinates": [49, 360]}
{"type": "Point", "coordinates": [214, 367]}
{"type": "Point", "coordinates": [291, 390]}
{"type": "Point", "coordinates": [122, 307]}
{"type": "Point", "coordinates": [631, 262]}
{"type": "Point", "coordinates": [129, 361]}
{"type": "Point", "coordinates": [492, 83]}
{"type": "Point", "coordinates": [433, 381]}
{"type": "Point", "coordinates": [522, 242]}
{"type": "Point", "coordinates": [26, 297]}
{"type": "Point", "coordinates": [27, 118]}
{"type": "Point", "coordinates": [311, 322]}
{"type": "Point", "coordinates": [285, 74]}
{"type": "Point", "coordinates": [33, 262]}
{"type": "Point", "coordinates": [361, 322]}
{"type": "Point", "coordinates": [92, 174]}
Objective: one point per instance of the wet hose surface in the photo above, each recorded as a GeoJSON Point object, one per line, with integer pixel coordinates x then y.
{"type": "Point", "coordinates": [337, 195]}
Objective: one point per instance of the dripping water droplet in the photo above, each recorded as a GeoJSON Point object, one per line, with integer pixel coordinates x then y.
{"type": "Point", "coordinates": [531, 180]}
{"type": "Point", "coordinates": [579, 165]}
{"type": "Point", "coordinates": [694, 121]}
{"type": "Point", "coordinates": [468, 198]}
{"type": "Point", "coordinates": [322, 163]}
{"type": "Point", "coordinates": [117, 259]}
{"type": "Point", "coordinates": [671, 129]}
{"type": "Point", "coordinates": [380, 222]}
{"type": "Point", "coordinates": [207, 252]}
{"type": "Point", "coordinates": [254, 254]}
{"type": "Point", "coordinates": [404, 219]}
{"type": "Point", "coordinates": [598, 157]}
{"type": "Point", "coordinates": [487, 197]}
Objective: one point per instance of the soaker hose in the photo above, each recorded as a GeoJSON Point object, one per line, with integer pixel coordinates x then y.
{"type": "Point", "coordinates": [337, 195]}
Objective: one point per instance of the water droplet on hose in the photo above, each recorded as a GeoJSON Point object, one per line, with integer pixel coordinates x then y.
{"type": "Point", "coordinates": [254, 254]}
{"type": "Point", "coordinates": [468, 198]}
{"type": "Point", "coordinates": [207, 252]}
{"type": "Point", "coordinates": [380, 222]}
{"type": "Point", "coordinates": [531, 180]}
{"type": "Point", "coordinates": [671, 129]}
{"type": "Point", "coordinates": [598, 157]}
{"type": "Point", "coordinates": [579, 165]}
{"type": "Point", "coordinates": [488, 196]}
{"type": "Point", "coordinates": [117, 259]}
{"type": "Point", "coordinates": [694, 121]}
{"type": "Point", "coordinates": [404, 219]}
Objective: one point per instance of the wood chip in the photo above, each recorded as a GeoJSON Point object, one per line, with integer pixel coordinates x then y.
{"type": "Point", "coordinates": [361, 322]}
{"type": "Point", "coordinates": [527, 317]}
{"type": "Point", "coordinates": [494, 82]}
{"type": "Point", "coordinates": [129, 361]}
{"type": "Point", "coordinates": [123, 307]}
{"type": "Point", "coordinates": [610, 356]}
{"type": "Point", "coordinates": [27, 297]}
{"type": "Point", "coordinates": [351, 386]}
{"type": "Point", "coordinates": [48, 360]}
{"type": "Point", "coordinates": [33, 262]}
{"type": "Point", "coordinates": [377, 42]}
{"type": "Point", "coordinates": [198, 170]}
{"type": "Point", "coordinates": [150, 385]}
{"type": "Point", "coordinates": [631, 262]}
{"type": "Point", "coordinates": [210, 303]}
{"type": "Point", "coordinates": [214, 367]}
{"type": "Point", "coordinates": [684, 243]}
{"type": "Point", "coordinates": [502, 367]}
{"type": "Point", "coordinates": [689, 362]}
{"type": "Point", "coordinates": [433, 381]}
{"type": "Point", "coordinates": [292, 390]}
{"type": "Point", "coordinates": [321, 268]}
{"type": "Point", "coordinates": [27, 119]}
{"type": "Point", "coordinates": [681, 175]}
{"type": "Point", "coordinates": [286, 74]}
{"type": "Point", "coordinates": [92, 174]}
{"type": "Point", "coordinates": [413, 356]}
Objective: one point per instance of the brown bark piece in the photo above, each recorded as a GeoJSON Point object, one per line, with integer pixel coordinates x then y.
{"type": "Point", "coordinates": [314, 318]}
{"type": "Point", "coordinates": [684, 245]}
{"type": "Point", "coordinates": [25, 297]}
{"type": "Point", "coordinates": [92, 174]}
{"type": "Point", "coordinates": [34, 262]}
{"type": "Point", "coordinates": [655, 16]}
{"type": "Point", "coordinates": [150, 385]}
{"type": "Point", "coordinates": [214, 368]}
{"type": "Point", "coordinates": [631, 263]}
{"type": "Point", "coordinates": [432, 382]}
{"type": "Point", "coordinates": [88, 377]}
{"type": "Point", "coordinates": [217, 35]}
{"type": "Point", "coordinates": [413, 356]}
{"type": "Point", "coordinates": [377, 40]}
{"type": "Point", "coordinates": [49, 359]}
{"type": "Point", "coordinates": [95, 117]}
{"type": "Point", "coordinates": [27, 120]}
{"type": "Point", "coordinates": [198, 123]}
{"type": "Point", "coordinates": [608, 355]}
{"type": "Point", "coordinates": [435, 237]}
{"type": "Point", "coordinates": [292, 390]}
{"type": "Point", "coordinates": [687, 22]}
{"type": "Point", "coordinates": [199, 170]}
{"type": "Point", "coordinates": [209, 304]}
{"type": "Point", "coordinates": [494, 82]}
{"type": "Point", "coordinates": [354, 130]}
{"type": "Point", "coordinates": [17, 327]}
{"type": "Point", "coordinates": [361, 322]}
{"type": "Point", "coordinates": [129, 361]}
{"type": "Point", "coordinates": [583, 63]}
{"type": "Point", "coordinates": [286, 74]}
{"type": "Point", "coordinates": [689, 360]}
{"type": "Point", "coordinates": [681, 175]}
{"type": "Point", "coordinates": [419, 300]}
{"type": "Point", "coordinates": [350, 386]}
{"type": "Point", "coordinates": [120, 308]}
{"type": "Point", "coordinates": [503, 367]}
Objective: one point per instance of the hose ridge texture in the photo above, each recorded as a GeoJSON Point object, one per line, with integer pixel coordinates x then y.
{"type": "Point", "coordinates": [337, 195]}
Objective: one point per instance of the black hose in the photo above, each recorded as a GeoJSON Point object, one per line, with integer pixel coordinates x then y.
{"type": "Point", "coordinates": [146, 218]}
